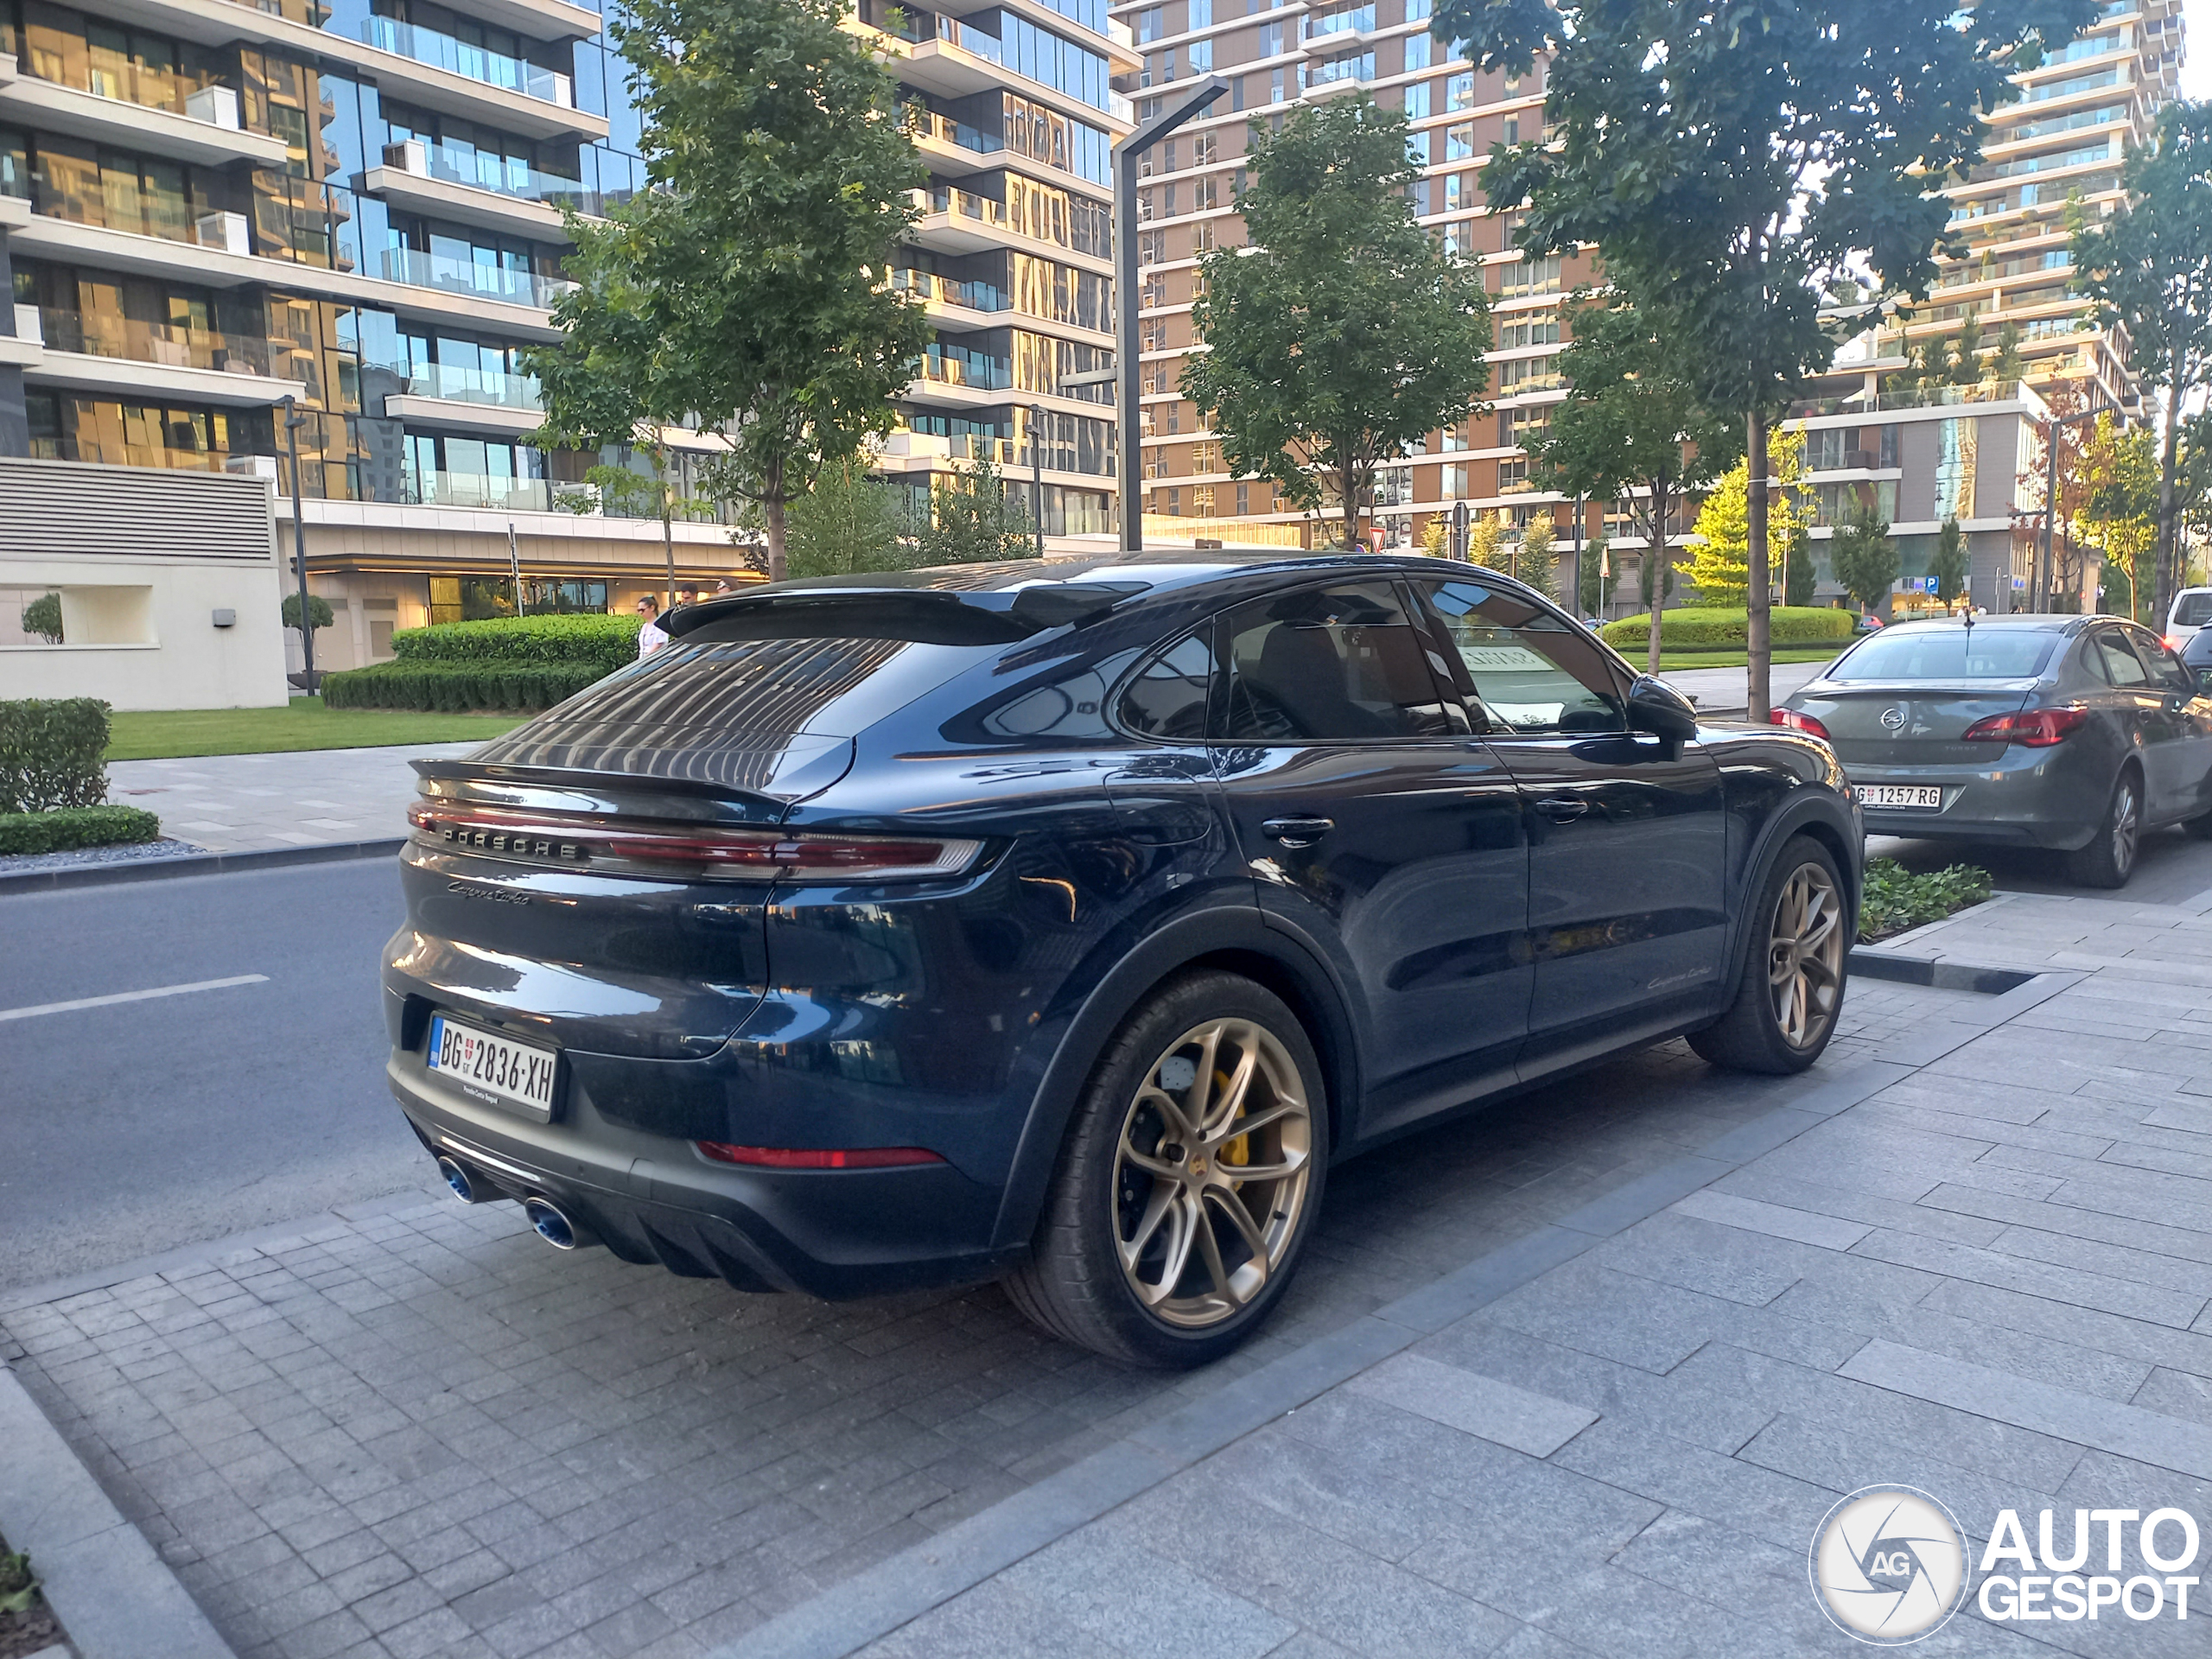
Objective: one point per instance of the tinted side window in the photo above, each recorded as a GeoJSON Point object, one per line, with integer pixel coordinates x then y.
{"type": "Point", "coordinates": [2165, 667]}
{"type": "Point", "coordinates": [2116, 662]}
{"type": "Point", "coordinates": [1527, 670]}
{"type": "Point", "coordinates": [1168, 698]}
{"type": "Point", "coordinates": [1329, 665]}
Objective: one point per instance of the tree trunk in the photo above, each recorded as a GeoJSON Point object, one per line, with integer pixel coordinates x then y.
{"type": "Point", "coordinates": [771, 510]}
{"type": "Point", "coordinates": [1757, 603]}
{"type": "Point", "coordinates": [668, 545]}
{"type": "Point", "coordinates": [2168, 552]}
{"type": "Point", "coordinates": [1655, 550]}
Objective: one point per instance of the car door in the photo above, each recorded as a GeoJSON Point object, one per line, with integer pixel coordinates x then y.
{"type": "Point", "coordinates": [2136, 704]}
{"type": "Point", "coordinates": [2177, 727]}
{"type": "Point", "coordinates": [1627, 838]}
{"type": "Point", "coordinates": [1379, 828]}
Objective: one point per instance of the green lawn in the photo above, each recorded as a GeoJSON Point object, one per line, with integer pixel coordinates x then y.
{"type": "Point", "coordinates": [306, 724]}
{"type": "Point", "coordinates": [1681, 659]}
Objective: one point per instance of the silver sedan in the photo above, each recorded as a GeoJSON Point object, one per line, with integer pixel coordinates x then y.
{"type": "Point", "coordinates": [2072, 733]}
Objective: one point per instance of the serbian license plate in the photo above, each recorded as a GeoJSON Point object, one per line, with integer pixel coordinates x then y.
{"type": "Point", "coordinates": [1925, 797]}
{"type": "Point", "coordinates": [498, 1071]}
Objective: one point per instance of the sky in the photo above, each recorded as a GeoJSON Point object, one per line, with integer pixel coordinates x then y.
{"type": "Point", "coordinates": [2196, 68]}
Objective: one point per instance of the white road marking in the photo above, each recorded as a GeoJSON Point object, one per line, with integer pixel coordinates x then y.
{"type": "Point", "coordinates": [132, 997]}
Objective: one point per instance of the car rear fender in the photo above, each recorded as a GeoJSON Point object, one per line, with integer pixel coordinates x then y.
{"type": "Point", "coordinates": [1806, 810]}
{"type": "Point", "coordinates": [1221, 931]}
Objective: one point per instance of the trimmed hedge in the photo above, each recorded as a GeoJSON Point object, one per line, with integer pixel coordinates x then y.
{"type": "Point", "coordinates": [458, 687]}
{"type": "Point", "coordinates": [606, 641]}
{"type": "Point", "coordinates": [1695, 625]}
{"type": "Point", "coordinates": [51, 753]}
{"type": "Point", "coordinates": [74, 827]}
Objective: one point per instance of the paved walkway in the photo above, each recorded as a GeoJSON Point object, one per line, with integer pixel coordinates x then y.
{"type": "Point", "coordinates": [1577, 1375]}
{"type": "Point", "coordinates": [1724, 691]}
{"type": "Point", "coordinates": [238, 803]}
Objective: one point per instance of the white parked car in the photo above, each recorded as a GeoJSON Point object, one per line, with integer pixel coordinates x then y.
{"type": "Point", "coordinates": [2192, 609]}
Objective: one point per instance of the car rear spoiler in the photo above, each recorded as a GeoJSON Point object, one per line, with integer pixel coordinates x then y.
{"type": "Point", "coordinates": [869, 608]}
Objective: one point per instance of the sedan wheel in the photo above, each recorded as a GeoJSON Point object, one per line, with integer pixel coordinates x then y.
{"type": "Point", "coordinates": [1209, 1178]}
{"type": "Point", "coordinates": [2109, 859]}
{"type": "Point", "coordinates": [1189, 1180]}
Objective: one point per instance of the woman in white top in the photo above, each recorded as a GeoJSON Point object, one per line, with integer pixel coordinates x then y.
{"type": "Point", "coordinates": [650, 635]}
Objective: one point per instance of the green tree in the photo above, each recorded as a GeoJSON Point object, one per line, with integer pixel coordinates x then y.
{"type": "Point", "coordinates": [1735, 163]}
{"type": "Point", "coordinates": [1721, 562]}
{"type": "Point", "coordinates": [2149, 268]}
{"type": "Point", "coordinates": [748, 287]}
{"type": "Point", "coordinates": [2008, 368]}
{"type": "Point", "coordinates": [973, 520]}
{"type": "Point", "coordinates": [1535, 562]}
{"type": "Point", "coordinates": [1864, 558]}
{"type": "Point", "coordinates": [1485, 539]}
{"type": "Point", "coordinates": [1343, 333]}
{"type": "Point", "coordinates": [848, 521]}
{"type": "Point", "coordinates": [320, 615]}
{"type": "Point", "coordinates": [42, 617]}
{"type": "Point", "coordinates": [1633, 429]}
{"type": "Point", "coordinates": [1801, 576]}
{"type": "Point", "coordinates": [1967, 372]}
{"type": "Point", "coordinates": [1596, 578]}
{"type": "Point", "coordinates": [1949, 563]}
{"type": "Point", "coordinates": [2119, 509]}
{"type": "Point", "coordinates": [1655, 585]}
{"type": "Point", "coordinates": [1436, 536]}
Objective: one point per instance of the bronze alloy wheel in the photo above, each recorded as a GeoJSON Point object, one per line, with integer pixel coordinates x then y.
{"type": "Point", "coordinates": [1805, 955]}
{"type": "Point", "coordinates": [1210, 1173]}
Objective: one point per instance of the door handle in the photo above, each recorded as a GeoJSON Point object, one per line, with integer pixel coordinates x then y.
{"type": "Point", "coordinates": [1562, 809]}
{"type": "Point", "coordinates": [1296, 832]}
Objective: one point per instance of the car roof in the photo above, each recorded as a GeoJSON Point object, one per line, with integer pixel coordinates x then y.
{"type": "Point", "coordinates": [2044, 621]}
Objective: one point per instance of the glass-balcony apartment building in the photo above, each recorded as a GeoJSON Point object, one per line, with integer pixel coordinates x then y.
{"type": "Point", "coordinates": [1908, 453]}
{"type": "Point", "coordinates": [206, 206]}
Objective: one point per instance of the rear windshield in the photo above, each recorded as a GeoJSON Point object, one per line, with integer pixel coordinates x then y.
{"type": "Point", "coordinates": [2193, 610]}
{"type": "Point", "coordinates": [1948, 653]}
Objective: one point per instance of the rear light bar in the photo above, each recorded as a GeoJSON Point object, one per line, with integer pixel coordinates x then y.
{"type": "Point", "coordinates": [801, 1158]}
{"type": "Point", "coordinates": [2034, 728]}
{"type": "Point", "coordinates": [689, 852]}
{"type": "Point", "coordinates": [1797, 722]}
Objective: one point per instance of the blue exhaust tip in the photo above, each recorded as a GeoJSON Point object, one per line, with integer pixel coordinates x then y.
{"type": "Point", "coordinates": [552, 1226]}
{"type": "Point", "coordinates": [458, 1178]}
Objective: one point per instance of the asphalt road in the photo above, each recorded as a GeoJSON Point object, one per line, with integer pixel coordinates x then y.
{"type": "Point", "coordinates": [139, 1127]}
{"type": "Point", "coordinates": [2170, 867]}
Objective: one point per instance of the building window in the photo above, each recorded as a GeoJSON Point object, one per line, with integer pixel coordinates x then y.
{"type": "Point", "coordinates": [1458, 141]}
{"type": "Point", "coordinates": [1417, 101]}
{"type": "Point", "coordinates": [1244, 499]}
{"type": "Point", "coordinates": [1459, 92]}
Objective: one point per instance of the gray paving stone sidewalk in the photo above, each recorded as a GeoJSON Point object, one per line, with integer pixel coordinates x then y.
{"type": "Point", "coordinates": [242, 803]}
{"type": "Point", "coordinates": [416, 1431]}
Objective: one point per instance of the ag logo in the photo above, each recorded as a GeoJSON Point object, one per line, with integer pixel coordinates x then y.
{"type": "Point", "coordinates": [1893, 718]}
{"type": "Point", "coordinates": [1889, 1565]}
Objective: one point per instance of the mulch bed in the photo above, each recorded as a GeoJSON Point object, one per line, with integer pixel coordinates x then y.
{"type": "Point", "coordinates": [26, 1632]}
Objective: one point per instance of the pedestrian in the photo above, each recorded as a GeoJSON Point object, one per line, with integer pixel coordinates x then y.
{"type": "Point", "coordinates": [723, 587]}
{"type": "Point", "coordinates": [687, 595]}
{"type": "Point", "coordinates": [650, 635]}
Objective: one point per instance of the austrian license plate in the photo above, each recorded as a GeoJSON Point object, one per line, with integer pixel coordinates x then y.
{"type": "Point", "coordinates": [498, 1071]}
{"type": "Point", "coordinates": [1927, 797]}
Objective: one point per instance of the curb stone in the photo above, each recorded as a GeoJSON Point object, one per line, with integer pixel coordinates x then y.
{"type": "Point", "coordinates": [153, 869]}
{"type": "Point", "coordinates": [115, 1596]}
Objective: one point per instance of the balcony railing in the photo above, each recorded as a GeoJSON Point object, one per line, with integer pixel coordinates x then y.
{"type": "Point", "coordinates": [147, 85]}
{"type": "Point", "coordinates": [977, 371]}
{"type": "Point", "coordinates": [1986, 392]}
{"type": "Point", "coordinates": [152, 342]}
{"type": "Point", "coordinates": [419, 269]}
{"type": "Point", "coordinates": [973, 296]}
{"type": "Point", "coordinates": [479, 490]}
{"type": "Point", "coordinates": [925, 122]}
{"type": "Point", "coordinates": [459, 384]}
{"type": "Point", "coordinates": [481, 170]}
{"type": "Point", "coordinates": [475, 62]}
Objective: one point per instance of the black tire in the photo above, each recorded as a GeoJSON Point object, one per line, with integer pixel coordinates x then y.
{"type": "Point", "coordinates": [1074, 1285]}
{"type": "Point", "coordinates": [2109, 859]}
{"type": "Point", "coordinates": [2200, 827]}
{"type": "Point", "coordinates": [1751, 1036]}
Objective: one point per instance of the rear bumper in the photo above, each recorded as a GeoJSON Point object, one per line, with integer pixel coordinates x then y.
{"type": "Point", "coordinates": [833, 1234]}
{"type": "Point", "coordinates": [2051, 799]}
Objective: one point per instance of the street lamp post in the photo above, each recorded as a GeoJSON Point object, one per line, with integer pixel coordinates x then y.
{"type": "Point", "coordinates": [293, 422]}
{"type": "Point", "coordinates": [1037, 475]}
{"type": "Point", "coordinates": [1173, 113]}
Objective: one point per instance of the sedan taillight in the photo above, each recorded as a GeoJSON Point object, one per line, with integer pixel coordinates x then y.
{"type": "Point", "coordinates": [686, 852]}
{"type": "Point", "coordinates": [817, 1157]}
{"type": "Point", "coordinates": [1797, 722]}
{"type": "Point", "coordinates": [2034, 728]}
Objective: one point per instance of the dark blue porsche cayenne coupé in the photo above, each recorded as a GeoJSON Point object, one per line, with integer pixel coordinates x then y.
{"type": "Point", "coordinates": [1063, 923]}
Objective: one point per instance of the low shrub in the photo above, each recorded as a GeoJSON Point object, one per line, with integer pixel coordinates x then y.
{"type": "Point", "coordinates": [50, 753]}
{"type": "Point", "coordinates": [1897, 900]}
{"type": "Point", "coordinates": [74, 827]}
{"type": "Point", "coordinates": [1696, 625]}
{"type": "Point", "coordinates": [458, 687]}
{"type": "Point", "coordinates": [606, 641]}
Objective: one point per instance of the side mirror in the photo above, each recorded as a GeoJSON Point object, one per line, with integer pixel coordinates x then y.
{"type": "Point", "coordinates": [1656, 706]}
